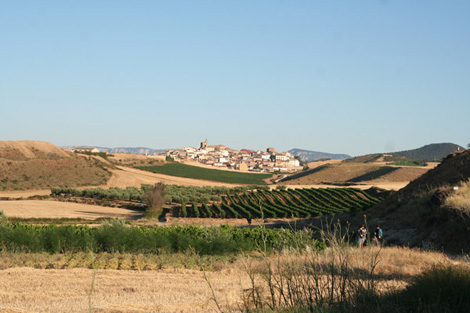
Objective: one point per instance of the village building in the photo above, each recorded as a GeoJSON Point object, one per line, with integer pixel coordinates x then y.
{"type": "Point", "coordinates": [245, 159]}
{"type": "Point", "coordinates": [86, 150]}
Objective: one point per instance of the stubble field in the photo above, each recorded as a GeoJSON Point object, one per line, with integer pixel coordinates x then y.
{"type": "Point", "coordinates": [181, 290]}
{"type": "Point", "coordinates": [55, 209]}
{"type": "Point", "coordinates": [65, 291]}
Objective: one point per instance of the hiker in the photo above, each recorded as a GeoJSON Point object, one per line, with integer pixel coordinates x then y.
{"type": "Point", "coordinates": [361, 235]}
{"type": "Point", "coordinates": [378, 235]}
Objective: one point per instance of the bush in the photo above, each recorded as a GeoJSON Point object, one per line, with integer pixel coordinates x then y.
{"type": "Point", "coordinates": [445, 289]}
{"type": "Point", "coordinates": [442, 289]}
{"type": "Point", "coordinates": [155, 199]}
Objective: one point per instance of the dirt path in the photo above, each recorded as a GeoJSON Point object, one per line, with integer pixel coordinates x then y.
{"type": "Point", "coordinates": [65, 291]}
{"type": "Point", "coordinates": [56, 209]}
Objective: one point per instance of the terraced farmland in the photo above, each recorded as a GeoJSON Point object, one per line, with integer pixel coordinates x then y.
{"type": "Point", "coordinates": [283, 203]}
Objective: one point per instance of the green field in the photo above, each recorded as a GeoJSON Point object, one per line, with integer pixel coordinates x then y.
{"type": "Point", "coordinates": [188, 171]}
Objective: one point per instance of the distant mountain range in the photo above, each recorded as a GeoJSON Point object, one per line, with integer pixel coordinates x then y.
{"type": "Point", "coordinates": [133, 150]}
{"type": "Point", "coordinates": [308, 156]}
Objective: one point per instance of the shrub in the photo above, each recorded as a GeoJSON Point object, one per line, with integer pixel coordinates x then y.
{"type": "Point", "coordinates": [442, 289]}
{"type": "Point", "coordinates": [155, 199]}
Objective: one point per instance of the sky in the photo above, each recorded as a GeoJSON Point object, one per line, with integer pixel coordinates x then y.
{"type": "Point", "coordinates": [353, 77]}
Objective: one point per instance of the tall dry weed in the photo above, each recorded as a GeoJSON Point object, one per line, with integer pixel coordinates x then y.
{"type": "Point", "coordinates": [460, 199]}
{"type": "Point", "coordinates": [341, 278]}
{"type": "Point", "coordinates": [311, 279]}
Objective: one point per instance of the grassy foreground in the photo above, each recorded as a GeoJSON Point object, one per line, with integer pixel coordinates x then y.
{"type": "Point", "coordinates": [188, 171]}
{"type": "Point", "coordinates": [401, 280]}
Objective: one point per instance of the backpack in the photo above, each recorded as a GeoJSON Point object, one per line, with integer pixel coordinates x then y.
{"type": "Point", "coordinates": [378, 233]}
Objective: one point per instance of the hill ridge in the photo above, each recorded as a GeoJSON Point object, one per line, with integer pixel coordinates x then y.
{"type": "Point", "coordinates": [30, 149]}
{"type": "Point", "coordinates": [430, 152]}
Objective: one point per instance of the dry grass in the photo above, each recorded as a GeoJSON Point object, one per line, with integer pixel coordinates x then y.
{"type": "Point", "coordinates": [55, 209]}
{"type": "Point", "coordinates": [341, 274]}
{"type": "Point", "coordinates": [175, 290]}
{"type": "Point", "coordinates": [396, 266]}
{"type": "Point", "coordinates": [147, 283]}
{"type": "Point", "coordinates": [460, 199]}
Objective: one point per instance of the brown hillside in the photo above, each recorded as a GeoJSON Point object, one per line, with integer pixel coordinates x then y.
{"type": "Point", "coordinates": [40, 165]}
{"type": "Point", "coordinates": [29, 149]}
{"type": "Point", "coordinates": [346, 172]}
{"type": "Point", "coordinates": [419, 214]}
{"type": "Point", "coordinates": [402, 174]}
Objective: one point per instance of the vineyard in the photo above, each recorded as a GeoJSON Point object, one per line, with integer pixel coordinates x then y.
{"type": "Point", "coordinates": [237, 202]}
{"type": "Point", "coordinates": [282, 203]}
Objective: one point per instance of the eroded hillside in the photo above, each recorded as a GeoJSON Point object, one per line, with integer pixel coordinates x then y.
{"type": "Point", "coordinates": [39, 165]}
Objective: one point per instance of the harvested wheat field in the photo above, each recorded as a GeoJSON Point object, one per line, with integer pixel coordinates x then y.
{"type": "Point", "coordinates": [182, 290]}
{"type": "Point", "coordinates": [16, 194]}
{"type": "Point", "coordinates": [56, 209]}
{"type": "Point", "coordinates": [65, 291]}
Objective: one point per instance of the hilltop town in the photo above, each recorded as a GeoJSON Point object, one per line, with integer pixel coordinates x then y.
{"type": "Point", "coordinates": [243, 160]}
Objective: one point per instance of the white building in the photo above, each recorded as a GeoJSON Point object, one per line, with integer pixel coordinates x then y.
{"type": "Point", "coordinates": [86, 149]}
{"type": "Point", "coordinates": [282, 157]}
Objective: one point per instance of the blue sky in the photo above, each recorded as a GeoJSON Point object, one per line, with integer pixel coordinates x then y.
{"type": "Point", "coordinates": [350, 77]}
